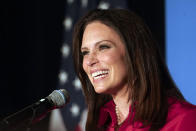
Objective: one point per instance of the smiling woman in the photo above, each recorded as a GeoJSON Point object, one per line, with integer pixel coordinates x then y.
{"type": "Point", "coordinates": [126, 83]}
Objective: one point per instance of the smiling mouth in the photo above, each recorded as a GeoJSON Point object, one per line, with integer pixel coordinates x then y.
{"type": "Point", "coordinates": [99, 74]}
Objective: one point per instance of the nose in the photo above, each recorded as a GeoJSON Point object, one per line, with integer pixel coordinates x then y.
{"type": "Point", "coordinates": [91, 59]}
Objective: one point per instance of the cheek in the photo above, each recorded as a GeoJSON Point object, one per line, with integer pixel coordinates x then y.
{"type": "Point", "coordinates": [107, 56]}
{"type": "Point", "coordinates": [84, 66]}
{"type": "Point", "coordinates": [113, 58]}
{"type": "Point", "coordinates": [116, 63]}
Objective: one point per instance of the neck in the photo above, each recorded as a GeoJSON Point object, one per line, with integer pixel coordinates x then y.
{"type": "Point", "coordinates": [121, 99]}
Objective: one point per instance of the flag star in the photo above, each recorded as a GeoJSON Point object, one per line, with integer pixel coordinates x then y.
{"type": "Point", "coordinates": [70, 1]}
{"type": "Point", "coordinates": [77, 84]}
{"type": "Point", "coordinates": [65, 50]}
{"type": "Point", "coordinates": [103, 5]}
{"type": "Point", "coordinates": [84, 3]}
{"type": "Point", "coordinates": [68, 23]}
{"type": "Point", "coordinates": [63, 76]}
{"type": "Point", "coordinates": [75, 110]}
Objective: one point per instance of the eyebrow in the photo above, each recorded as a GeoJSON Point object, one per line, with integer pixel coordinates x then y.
{"type": "Point", "coordinates": [97, 43]}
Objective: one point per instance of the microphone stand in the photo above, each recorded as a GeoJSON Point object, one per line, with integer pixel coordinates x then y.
{"type": "Point", "coordinates": [23, 119]}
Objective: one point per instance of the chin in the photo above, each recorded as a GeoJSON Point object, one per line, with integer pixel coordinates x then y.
{"type": "Point", "coordinates": [100, 90]}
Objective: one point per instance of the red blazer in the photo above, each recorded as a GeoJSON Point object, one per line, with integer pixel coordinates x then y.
{"type": "Point", "coordinates": [181, 117]}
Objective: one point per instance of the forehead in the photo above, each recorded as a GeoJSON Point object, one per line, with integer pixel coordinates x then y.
{"type": "Point", "coordinates": [97, 31]}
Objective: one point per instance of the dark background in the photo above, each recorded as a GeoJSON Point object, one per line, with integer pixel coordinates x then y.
{"type": "Point", "coordinates": [31, 35]}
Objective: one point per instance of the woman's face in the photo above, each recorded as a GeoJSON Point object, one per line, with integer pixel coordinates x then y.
{"type": "Point", "coordinates": [104, 58]}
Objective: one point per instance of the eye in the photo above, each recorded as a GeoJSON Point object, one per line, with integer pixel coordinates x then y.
{"type": "Point", "coordinates": [84, 53]}
{"type": "Point", "coordinates": [104, 46]}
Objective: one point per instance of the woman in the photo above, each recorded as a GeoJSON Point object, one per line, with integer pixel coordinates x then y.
{"type": "Point", "coordinates": [126, 84]}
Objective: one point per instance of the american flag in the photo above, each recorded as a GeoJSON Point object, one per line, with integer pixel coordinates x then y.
{"type": "Point", "coordinates": [73, 116]}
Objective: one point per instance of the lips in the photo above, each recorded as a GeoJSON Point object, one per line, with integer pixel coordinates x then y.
{"type": "Point", "coordinates": [99, 74]}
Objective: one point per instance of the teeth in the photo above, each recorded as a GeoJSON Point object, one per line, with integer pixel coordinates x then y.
{"type": "Point", "coordinates": [99, 74]}
{"type": "Point", "coordinates": [97, 77]}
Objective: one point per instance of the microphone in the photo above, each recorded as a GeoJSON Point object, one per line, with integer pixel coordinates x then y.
{"type": "Point", "coordinates": [35, 112]}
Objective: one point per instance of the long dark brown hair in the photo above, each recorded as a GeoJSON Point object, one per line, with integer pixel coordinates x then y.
{"type": "Point", "coordinates": [148, 78]}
